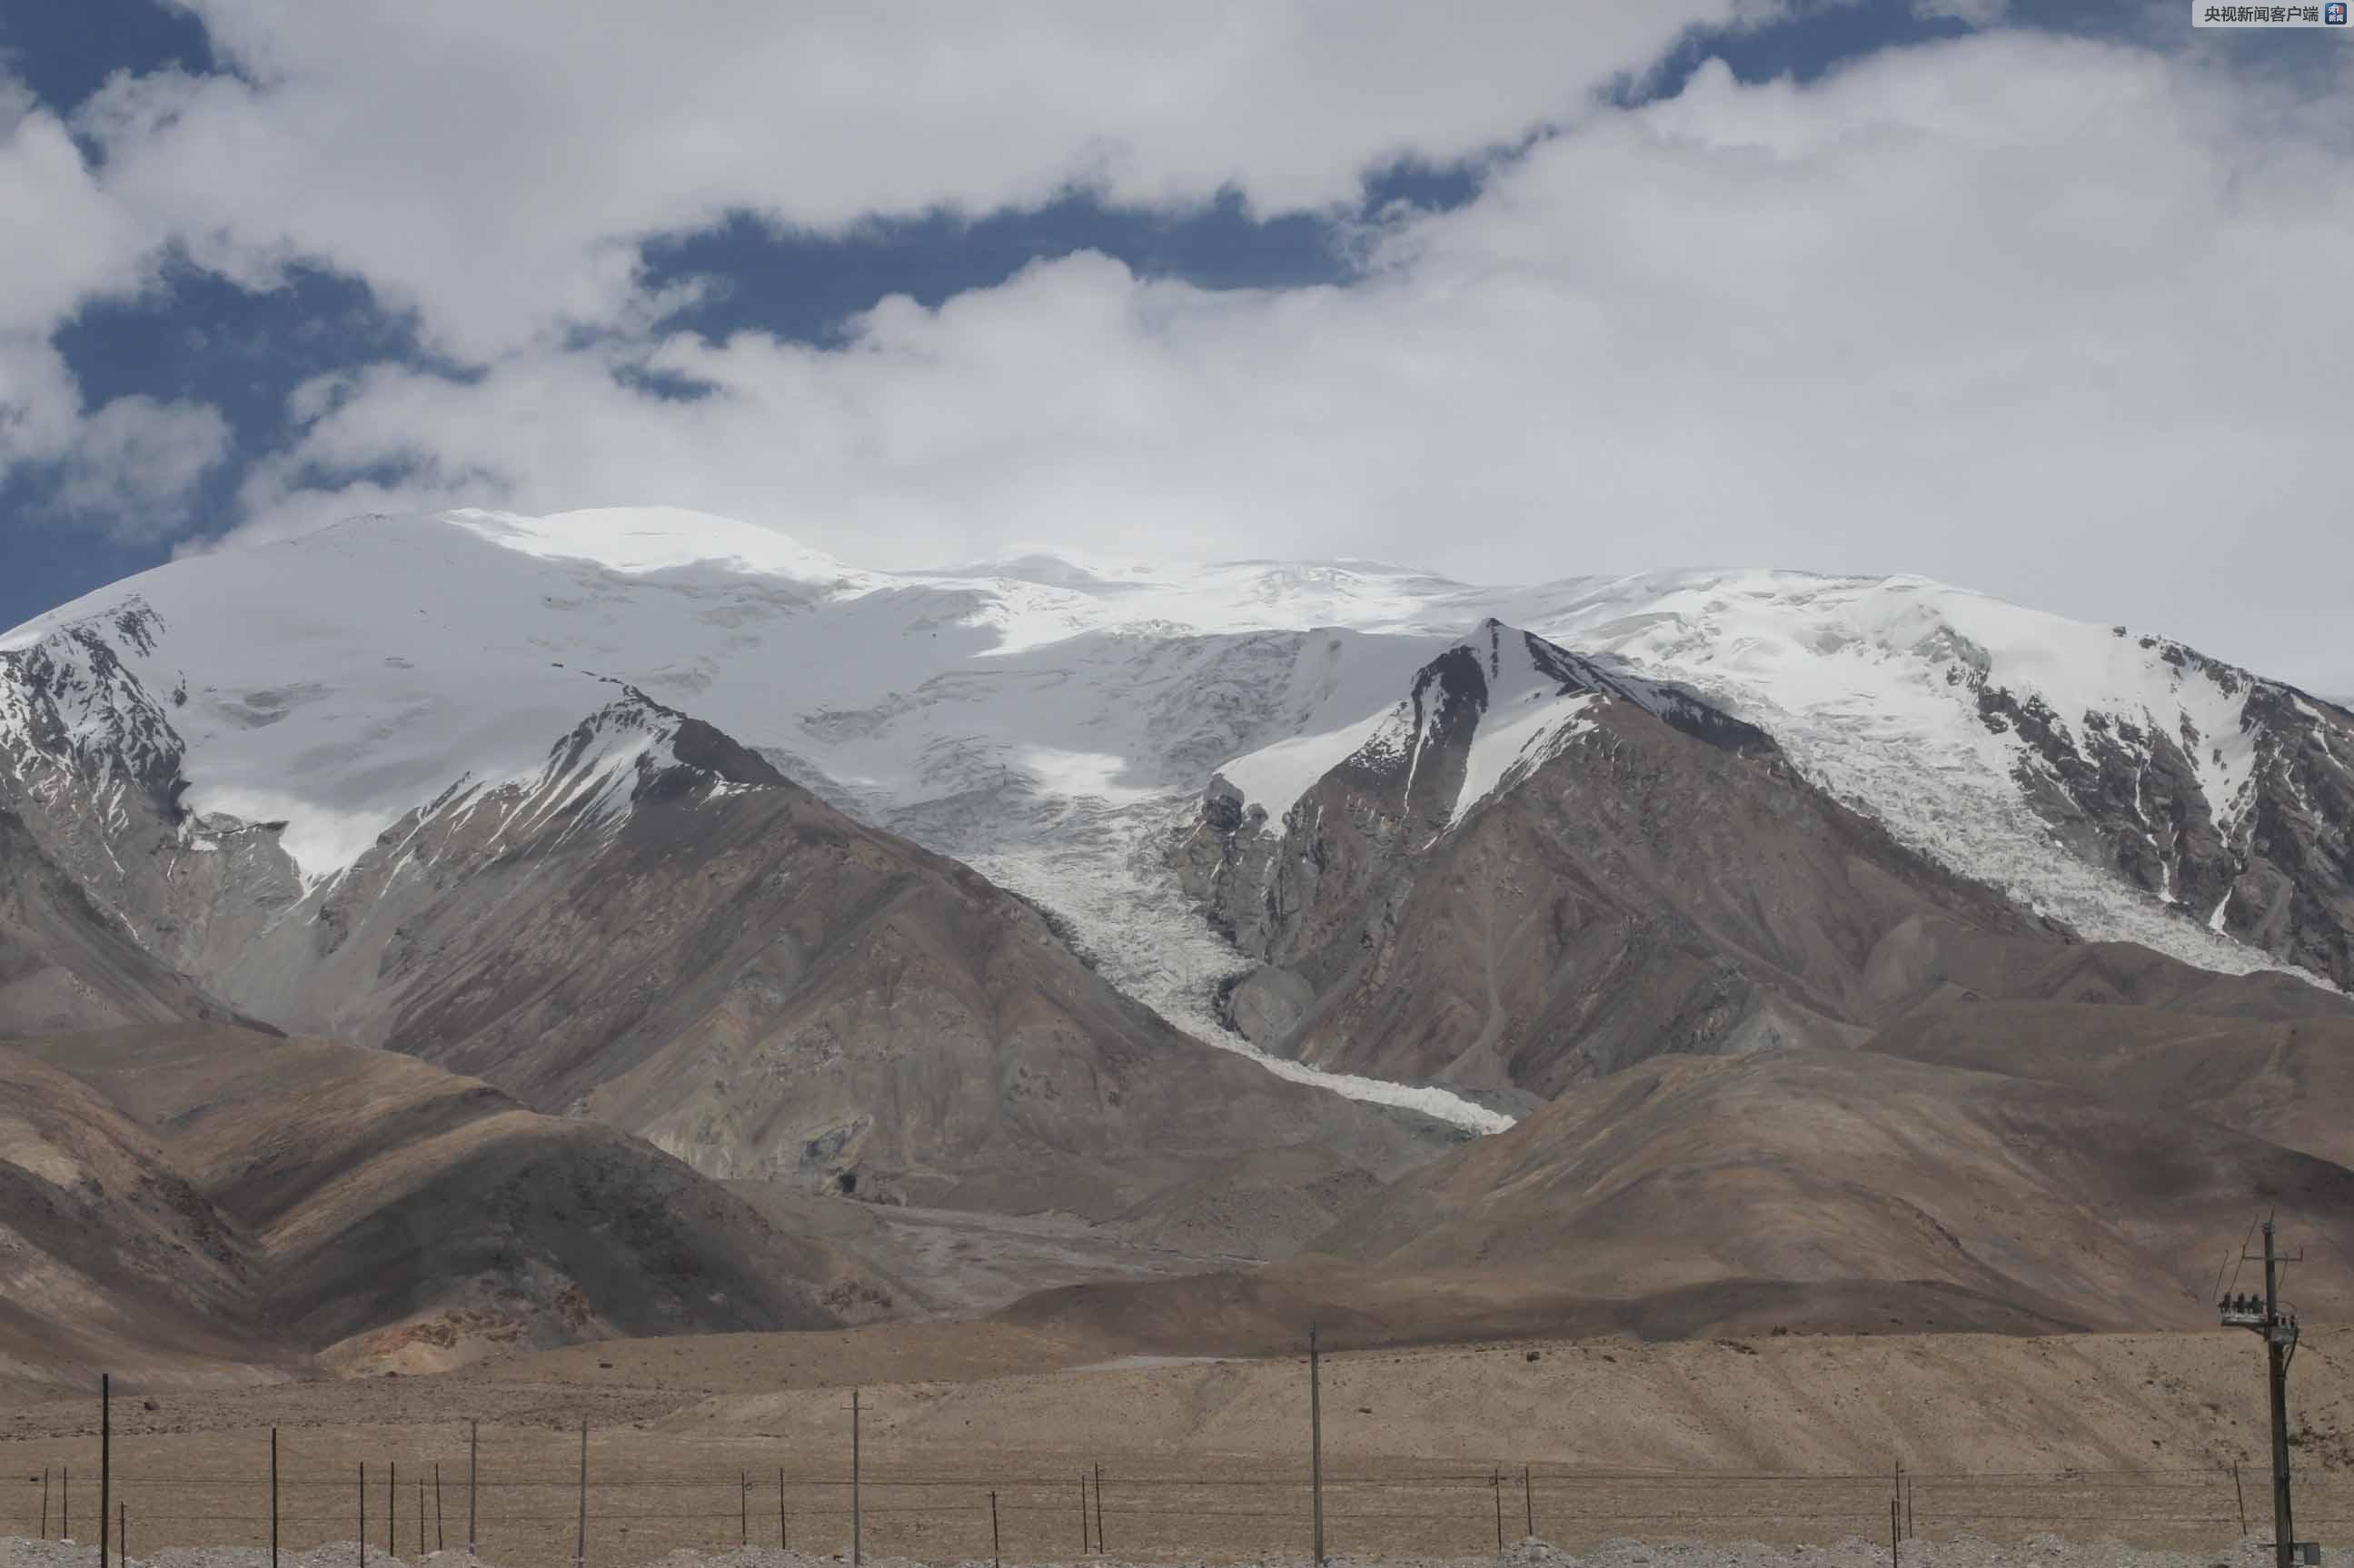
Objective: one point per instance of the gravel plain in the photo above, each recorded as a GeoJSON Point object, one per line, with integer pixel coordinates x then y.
{"type": "Point", "coordinates": [1958, 1551]}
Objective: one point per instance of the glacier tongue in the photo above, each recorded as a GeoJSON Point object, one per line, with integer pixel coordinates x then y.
{"type": "Point", "coordinates": [1106, 882]}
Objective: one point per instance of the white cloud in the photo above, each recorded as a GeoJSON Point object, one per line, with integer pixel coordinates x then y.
{"type": "Point", "coordinates": [62, 241]}
{"type": "Point", "coordinates": [132, 466]}
{"type": "Point", "coordinates": [495, 166]}
{"type": "Point", "coordinates": [2055, 320]}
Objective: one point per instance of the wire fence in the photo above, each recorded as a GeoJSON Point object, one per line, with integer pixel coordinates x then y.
{"type": "Point", "coordinates": [525, 1500]}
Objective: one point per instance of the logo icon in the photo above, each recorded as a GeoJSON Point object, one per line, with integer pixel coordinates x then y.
{"type": "Point", "coordinates": [2333, 14]}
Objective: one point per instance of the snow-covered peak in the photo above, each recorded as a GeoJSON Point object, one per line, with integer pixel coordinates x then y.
{"type": "Point", "coordinates": [68, 702]}
{"type": "Point", "coordinates": [1903, 657]}
{"type": "Point", "coordinates": [1507, 697]}
{"type": "Point", "coordinates": [1533, 702]}
{"type": "Point", "coordinates": [1005, 713]}
{"type": "Point", "coordinates": [639, 540]}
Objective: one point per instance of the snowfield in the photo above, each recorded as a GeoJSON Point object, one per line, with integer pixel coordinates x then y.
{"type": "Point", "coordinates": [1050, 721]}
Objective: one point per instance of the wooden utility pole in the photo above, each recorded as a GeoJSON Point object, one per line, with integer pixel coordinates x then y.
{"type": "Point", "coordinates": [1316, 1435]}
{"type": "Point", "coordinates": [105, 1456]}
{"type": "Point", "coordinates": [391, 1510]}
{"type": "Point", "coordinates": [1100, 1539]}
{"type": "Point", "coordinates": [580, 1551]}
{"type": "Point", "coordinates": [784, 1541]}
{"type": "Point", "coordinates": [2279, 1330]}
{"type": "Point", "coordinates": [273, 1497]}
{"type": "Point", "coordinates": [996, 1550]}
{"type": "Point", "coordinates": [857, 1514]}
{"type": "Point", "coordinates": [474, 1451]}
{"type": "Point", "coordinates": [363, 1513]}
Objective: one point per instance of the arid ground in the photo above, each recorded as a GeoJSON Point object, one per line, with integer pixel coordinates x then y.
{"type": "Point", "coordinates": [1429, 1451]}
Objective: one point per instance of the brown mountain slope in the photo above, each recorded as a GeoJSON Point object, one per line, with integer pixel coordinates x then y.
{"type": "Point", "coordinates": [691, 948]}
{"type": "Point", "coordinates": [1653, 876]}
{"type": "Point", "coordinates": [66, 963]}
{"type": "Point", "coordinates": [1819, 1188]}
{"type": "Point", "coordinates": [108, 1255]}
{"type": "Point", "coordinates": [659, 931]}
{"type": "Point", "coordinates": [1819, 1166]}
{"type": "Point", "coordinates": [376, 1210]}
{"type": "Point", "coordinates": [2289, 1081]}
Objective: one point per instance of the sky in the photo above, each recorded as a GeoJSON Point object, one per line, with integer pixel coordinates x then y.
{"type": "Point", "coordinates": [2052, 301]}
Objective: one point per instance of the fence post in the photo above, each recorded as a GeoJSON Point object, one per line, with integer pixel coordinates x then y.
{"type": "Point", "coordinates": [581, 1553]}
{"type": "Point", "coordinates": [105, 1456]}
{"type": "Point", "coordinates": [1316, 1438]}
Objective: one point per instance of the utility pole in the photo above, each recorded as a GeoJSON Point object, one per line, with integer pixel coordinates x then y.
{"type": "Point", "coordinates": [105, 1456]}
{"type": "Point", "coordinates": [857, 1519]}
{"type": "Point", "coordinates": [1316, 1435]}
{"type": "Point", "coordinates": [2279, 1330]}
{"type": "Point", "coordinates": [581, 1547]}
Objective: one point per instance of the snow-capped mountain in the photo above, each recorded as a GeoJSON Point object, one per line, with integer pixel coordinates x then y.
{"type": "Point", "coordinates": [1534, 871]}
{"type": "Point", "coordinates": [1052, 723]}
{"type": "Point", "coordinates": [1988, 735]}
{"type": "Point", "coordinates": [652, 927]}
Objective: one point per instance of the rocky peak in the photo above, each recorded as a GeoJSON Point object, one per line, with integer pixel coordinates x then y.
{"type": "Point", "coordinates": [69, 706]}
{"type": "Point", "coordinates": [658, 751]}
